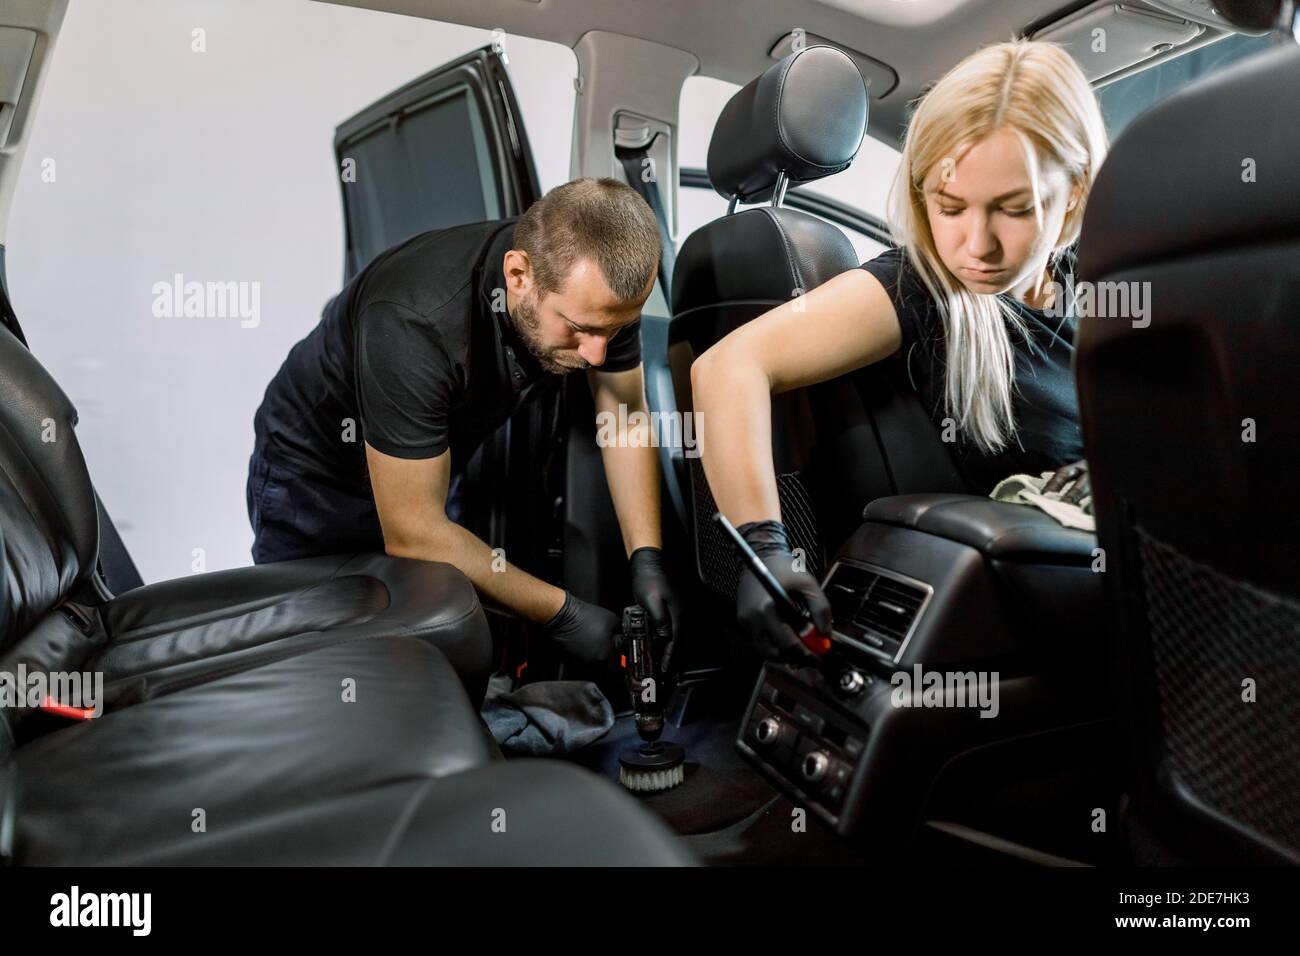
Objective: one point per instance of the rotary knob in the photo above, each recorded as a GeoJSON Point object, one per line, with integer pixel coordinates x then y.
{"type": "Point", "coordinates": [814, 766]}
{"type": "Point", "coordinates": [852, 682]}
{"type": "Point", "coordinates": [768, 729]}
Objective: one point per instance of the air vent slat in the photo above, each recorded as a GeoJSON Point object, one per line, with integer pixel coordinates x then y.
{"type": "Point", "coordinates": [870, 606]}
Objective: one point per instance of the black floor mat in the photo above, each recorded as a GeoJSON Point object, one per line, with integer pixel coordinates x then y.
{"type": "Point", "coordinates": [770, 837]}
{"type": "Point", "coordinates": [720, 787]}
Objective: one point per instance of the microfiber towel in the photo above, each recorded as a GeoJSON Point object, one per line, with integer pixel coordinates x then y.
{"type": "Point", "coordinates": [546, 718]}
{"type": "Point", "coordinates": [1027, 490]}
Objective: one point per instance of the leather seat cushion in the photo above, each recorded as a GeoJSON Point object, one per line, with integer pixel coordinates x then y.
{"type": "Point", "coordinates": [550, 813]}
{"type": "Point", "coordinates": [167, 636]}
{"type": "Point", "coordinates": [247, 748]}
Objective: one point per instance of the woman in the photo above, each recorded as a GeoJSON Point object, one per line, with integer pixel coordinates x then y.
{"type": "Point", "coordinates": [995, 171]}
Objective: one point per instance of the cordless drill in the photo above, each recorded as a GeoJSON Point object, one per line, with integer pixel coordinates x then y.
{"type": "Point", "coordinates": [654, 765]}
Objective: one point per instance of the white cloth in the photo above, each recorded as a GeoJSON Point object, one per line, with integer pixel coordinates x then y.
{"type": "Point", "coordinates": [1027, 490]}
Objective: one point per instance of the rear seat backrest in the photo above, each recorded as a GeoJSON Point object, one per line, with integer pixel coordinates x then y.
{"type": "Point", "coordinates": [838, 445]}
{"type": "Point", "coordinates": [1197, 514]}
{"type": "Point", "coordinates": [47, 504]}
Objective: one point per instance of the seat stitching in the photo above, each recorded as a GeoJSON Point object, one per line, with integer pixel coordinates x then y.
{"type": "Point", "coordinates": [789, 254]}
{"type": "Point", "coordinates": [209, 676]}
{"type": "Point", "coordinates": [257, 660]}
{"type": "Point", "coordinates": [198, 619]}
{"type": "Point", "coordinates": [432, 628]}
{"type": "Point", "coordinates": [403, 821]}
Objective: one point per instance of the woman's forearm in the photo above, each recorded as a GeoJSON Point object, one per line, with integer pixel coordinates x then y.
{"type": "Point", "coordinates": [733, 405]}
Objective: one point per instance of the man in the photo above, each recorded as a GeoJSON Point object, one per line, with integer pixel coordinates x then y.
{"type": "Point", "coordinates": [426, 352]}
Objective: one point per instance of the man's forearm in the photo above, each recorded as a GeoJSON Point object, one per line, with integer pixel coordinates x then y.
{"type": "Point", "coordinates": [633, 477]}
{"type": "Point", "coordinates": [491, 574]}
{"type": "Point", "coordinates": [630, 456]}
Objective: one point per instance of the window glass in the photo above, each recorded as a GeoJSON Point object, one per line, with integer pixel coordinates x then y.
{"type": "Point", "coordinates": [431, 171]}
{"type": "Point", "coordinates": [1124, 99]}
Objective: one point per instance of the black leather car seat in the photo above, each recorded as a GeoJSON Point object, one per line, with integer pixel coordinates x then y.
{"type": "Point", "coordinates": [1200, 201]}
{"type": "Point", "coordinates": [298, 713]}
{"type": "Point", "coordinates": [838, 445]}
{"type": "Point", "coordinates": [273, 766]}
{"type": "Point", "coordinates": [55, 611]}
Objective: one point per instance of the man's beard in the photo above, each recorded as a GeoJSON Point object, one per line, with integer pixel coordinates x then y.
{"type": "Point", "coordinates": [529, 328]}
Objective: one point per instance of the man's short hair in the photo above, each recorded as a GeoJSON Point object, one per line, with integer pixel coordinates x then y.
{"type": "Point", "coordinates": [603, 220]}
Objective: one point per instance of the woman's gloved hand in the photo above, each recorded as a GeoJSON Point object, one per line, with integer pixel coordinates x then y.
{"type": "Point", "coordinates": [1072, 485]}
{"type": "Point", "coordinates": [585, 632]}
{"type": "Point", "coordinates": [755, 609]}
{"type": "Point", "coordinates": [652, 591]}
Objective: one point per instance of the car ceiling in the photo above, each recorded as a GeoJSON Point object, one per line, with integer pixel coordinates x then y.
{"type": "Point", "coordinates": [919, 39]}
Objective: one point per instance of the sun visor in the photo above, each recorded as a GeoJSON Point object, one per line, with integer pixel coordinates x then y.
{"type": "Point", "coordinates": [1108, 38]}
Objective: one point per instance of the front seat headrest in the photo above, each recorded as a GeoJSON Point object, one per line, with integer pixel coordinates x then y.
{"type": "Point", "coordinates": [804, 116]}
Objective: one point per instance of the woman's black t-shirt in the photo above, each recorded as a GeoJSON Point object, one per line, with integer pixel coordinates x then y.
{"type": "Point", "coordinates": [1044, 403]}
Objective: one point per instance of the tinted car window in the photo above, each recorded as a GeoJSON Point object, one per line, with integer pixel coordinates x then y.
{"type": "Point", "coordinates": [421, 175]}
{"type": "Point", "coordinates": [1124, 99]}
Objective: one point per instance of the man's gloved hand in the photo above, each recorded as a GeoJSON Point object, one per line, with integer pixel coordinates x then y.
{"type": "Point", "coordinates": [755, 609]}
{"type": "Point", "coordinates": [652, 591]}
{"type": "Point", "coordinates": [585, 632]}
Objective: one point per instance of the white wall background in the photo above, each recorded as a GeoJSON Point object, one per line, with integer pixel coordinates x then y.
{"type": "Point", "coordinates": [219, 166]}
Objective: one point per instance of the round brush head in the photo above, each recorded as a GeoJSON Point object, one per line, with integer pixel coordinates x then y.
{"type": "Point", "coordinates": [652, 767]}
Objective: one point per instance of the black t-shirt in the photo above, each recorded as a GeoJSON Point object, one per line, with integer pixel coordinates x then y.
{"type": "Point", "coordinates": [413, 353]}
{"type": "Point", "coordinates": [1047, 432]}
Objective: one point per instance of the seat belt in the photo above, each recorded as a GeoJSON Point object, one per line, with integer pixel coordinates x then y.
{"type": "Point", "coordinates": [633, 159]}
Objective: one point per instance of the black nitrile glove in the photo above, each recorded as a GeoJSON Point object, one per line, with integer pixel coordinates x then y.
{"type": "Point", "coordinates": [652, 591]}
{"type": "Point", "coordinates": [755, 609]}
{"type": "Point", "coordinates": [585, 632]}
{"type": "Point", "coordinates": [1072, 484]}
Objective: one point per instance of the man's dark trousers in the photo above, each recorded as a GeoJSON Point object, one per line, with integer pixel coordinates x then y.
{"type": "Point", "coordinates": [293, 518]}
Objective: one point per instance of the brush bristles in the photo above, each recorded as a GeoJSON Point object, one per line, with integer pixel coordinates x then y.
{"type": "Point", "coordinates": [650, 780]}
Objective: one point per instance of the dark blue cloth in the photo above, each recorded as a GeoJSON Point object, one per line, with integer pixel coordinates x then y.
{"type": "Point", "coordinates": [548, 717]}
{"type": "Point", "coordinates": [293, 517]}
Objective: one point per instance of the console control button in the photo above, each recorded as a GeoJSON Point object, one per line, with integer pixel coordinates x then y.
{"type": "Point", "coordinates": [852, 682]}
{"type": "Point", "coordinates": [766, 731]}
{"type": "Point", "coordinates": [814, 766]}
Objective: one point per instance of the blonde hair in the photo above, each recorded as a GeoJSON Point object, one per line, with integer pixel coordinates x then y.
{"type": "Point", "coordinates": [1037, 91]}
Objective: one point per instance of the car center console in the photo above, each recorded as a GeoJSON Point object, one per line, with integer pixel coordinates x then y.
{"type": "Point", "coordinates": [968, 632]}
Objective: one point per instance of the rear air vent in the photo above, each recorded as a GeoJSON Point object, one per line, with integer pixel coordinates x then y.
{"type": "Point", "coordinates": [874, 607]}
